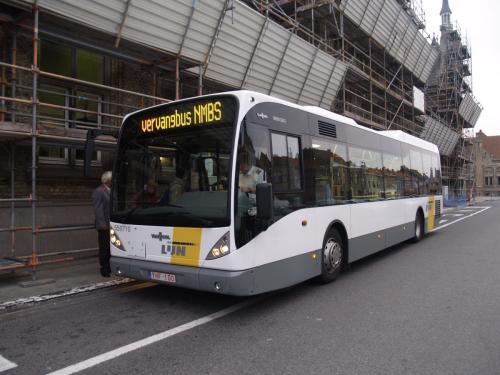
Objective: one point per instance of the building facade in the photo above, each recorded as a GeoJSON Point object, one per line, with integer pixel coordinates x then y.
{"type": "Point", "coordinates": [486, 154]}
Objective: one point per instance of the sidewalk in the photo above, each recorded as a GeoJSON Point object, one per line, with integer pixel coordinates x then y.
{"type": "Point", "coordinates": [483, 199]}
{"type": "Point", "coordinates": [81, 272]}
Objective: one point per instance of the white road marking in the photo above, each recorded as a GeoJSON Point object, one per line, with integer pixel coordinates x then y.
{"type": "Point", "coordinates": [462, 218]}
{"type": "Point", "coordinates": [456, 215]}
{"type": "Point", "coordinates": [5, 364]}
{"type": "Point", "coordinates": [91, 362]}
{"type": "Point", "coordinates": [81, 289]}
{"type": "Point", "coordinates": [442, 221]}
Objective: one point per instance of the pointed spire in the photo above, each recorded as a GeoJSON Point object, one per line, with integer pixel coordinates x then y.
{"type": "Point", "coordinates": [445, 8]}
{"type": "Point", "coordinates": [446, 16]}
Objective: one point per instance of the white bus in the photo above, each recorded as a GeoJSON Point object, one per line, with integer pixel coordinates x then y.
{"type": "Point", "coordinates": [241, 193]}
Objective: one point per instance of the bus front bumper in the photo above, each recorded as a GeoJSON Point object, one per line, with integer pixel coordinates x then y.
{"type": "Point", "coordinates": [238, 283]}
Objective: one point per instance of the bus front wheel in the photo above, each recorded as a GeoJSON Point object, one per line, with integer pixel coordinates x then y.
{"type": "Point", "coordinates": [332, 256]}
{"type": "Point", "coordinates": [419, 227]}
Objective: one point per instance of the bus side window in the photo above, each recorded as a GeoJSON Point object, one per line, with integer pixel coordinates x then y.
{"type": "Point", "coordinates": [393, 176]}
{"type": "Point", "coordinates": [286, 173]}
{"type": "Point", "coordinates": [410, 188]}
{"type": "Point", "coordinates": [427, 171]}
{"type": "Point", "coordinates": [366, 174]}
{"type": "Point", "coordinates": [435, 187]}
{"type": "Point", "coordinates": [417, 171]}
{"type": "Point", "coordinates": [327, 184]}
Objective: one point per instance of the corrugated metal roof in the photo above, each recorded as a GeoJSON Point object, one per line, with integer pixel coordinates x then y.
{"type": "Point", "coordinates": [244, 54]}
{"type": "Point", "coordinates": [389, 24]}
{"type": "Point", "coordinates": [469, 109]}
{"type": "Point", "coordinates": [442, 136]}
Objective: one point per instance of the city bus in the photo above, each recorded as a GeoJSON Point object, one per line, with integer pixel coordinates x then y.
{"type": "Point", "coordinates": [241, 193]}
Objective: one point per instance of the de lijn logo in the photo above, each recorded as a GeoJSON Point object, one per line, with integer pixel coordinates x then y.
{"type": "Point", "coordinates": [176, 248]}
{"type": "Point", "coordinates": [160, 236]}
{"type": "Point", "coordinates": [173, 248]}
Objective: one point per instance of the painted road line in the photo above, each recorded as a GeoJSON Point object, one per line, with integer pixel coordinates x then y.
{"type": "Point", "coordinates": [77, 290]}
{"type": "Point", "coordinates": [443, 221]}
{"type": "Point", "coordinates": [91, 362]}
{"type": "Point", "coordinates": [462, 218]}
{"type": "Point", "coordinates": [5, 364]}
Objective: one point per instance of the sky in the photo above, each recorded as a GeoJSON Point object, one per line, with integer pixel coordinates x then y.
{"type": "Point", "coordinates": [480, 21]}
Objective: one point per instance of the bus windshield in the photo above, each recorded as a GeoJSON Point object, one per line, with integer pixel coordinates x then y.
{"type": "Point", "coordinates": [173, 165]}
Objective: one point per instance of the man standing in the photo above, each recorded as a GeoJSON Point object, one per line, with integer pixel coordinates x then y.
{"type": "Point", "coordinates": [100, 201]}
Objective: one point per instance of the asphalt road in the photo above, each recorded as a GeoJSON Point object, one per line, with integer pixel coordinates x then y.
{"type": "Point", "coordinates": [426, 308]}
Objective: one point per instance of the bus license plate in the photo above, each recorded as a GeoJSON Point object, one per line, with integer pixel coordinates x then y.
{"type": "Point", "coordinates": [165, 277]}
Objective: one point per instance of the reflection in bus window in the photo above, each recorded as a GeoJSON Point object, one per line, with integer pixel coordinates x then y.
{"type": "Point", "coordinates": [366, 174]}
{"type": "Point", "coordinates": [417, 170]}
{"type": "Point", "coordinates": [393, 176]}
{"type": "Point", "coordinates": [329, 170]}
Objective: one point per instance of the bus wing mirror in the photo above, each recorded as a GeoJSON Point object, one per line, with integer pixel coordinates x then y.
{"type": "Point", "coordinates": [264, 197]}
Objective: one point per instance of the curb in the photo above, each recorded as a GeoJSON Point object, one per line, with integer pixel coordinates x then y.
{"type": "Point", "coordinates": [77, 290]}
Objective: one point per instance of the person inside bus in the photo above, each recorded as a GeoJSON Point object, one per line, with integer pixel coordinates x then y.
{"type": "Point", "coordinates": [148, 197]}
{"type": "Point", "coordinates": [250, 175]}
{"type": "Point", "coordinates": [178, 185]}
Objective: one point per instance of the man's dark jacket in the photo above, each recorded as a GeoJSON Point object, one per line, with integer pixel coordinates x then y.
{"type": "Point", "coordinates": [100, 201]}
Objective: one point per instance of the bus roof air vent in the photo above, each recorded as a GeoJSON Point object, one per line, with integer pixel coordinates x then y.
{"type": "Point", "coordinates": [329, 130]}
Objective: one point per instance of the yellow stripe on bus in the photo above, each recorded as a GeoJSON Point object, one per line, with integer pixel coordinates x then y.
{"type": "Point", "coordinates": [189, 239]}
{"type": "Point", "coordinates": [430, 220]}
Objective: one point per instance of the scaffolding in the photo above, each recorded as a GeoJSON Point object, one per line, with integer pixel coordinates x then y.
{"type": "Point", "coordinates": [378, 90]}
{"type": "Point", "coordinates": [28, 102]}
{"type": "Point", "coordinates": [450, 101]}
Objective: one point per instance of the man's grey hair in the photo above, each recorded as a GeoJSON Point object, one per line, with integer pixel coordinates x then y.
{"type": "Point", "coordinates": [106, 177]}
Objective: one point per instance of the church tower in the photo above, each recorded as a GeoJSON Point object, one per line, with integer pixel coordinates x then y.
{"type": "Point", "coordinates": [446, 16]}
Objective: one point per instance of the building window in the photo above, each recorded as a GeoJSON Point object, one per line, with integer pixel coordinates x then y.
{"type": "Point", "coordinates": [488, 181]}
{"type": "Point", "coordinates": [56, 58]}
{"type": "Point", "coordinates": [89, 66]}
{"type": "Point", "coordinates": [81, 64]}
{"type": "Point", "coordinates": [498, 181]}
{"type": "Point", "coordinates": [51, 116]}
{"type": "Point", "coordinates": [90, 106]}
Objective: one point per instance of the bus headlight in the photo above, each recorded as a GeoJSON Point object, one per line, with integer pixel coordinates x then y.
{"type": "Point", "coordinates": [115, 240]}
{"type": "Point", "coordinates": [220, 249]}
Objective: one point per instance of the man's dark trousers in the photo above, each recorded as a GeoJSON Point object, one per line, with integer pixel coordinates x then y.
{"type": "Point", "coordinates": [104, 253]}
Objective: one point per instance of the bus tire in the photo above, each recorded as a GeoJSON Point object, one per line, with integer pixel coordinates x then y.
{"type": "Point", "coordinates": [332, 256]}
{"type": "Point", "coordinates": [419, 227]}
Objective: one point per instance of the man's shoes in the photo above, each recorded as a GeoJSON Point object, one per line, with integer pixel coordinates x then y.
{"type": "Point", "coordinates": [105, 273]}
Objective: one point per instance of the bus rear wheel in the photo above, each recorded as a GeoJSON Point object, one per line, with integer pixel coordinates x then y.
{"type": "Point", "coordinates": [419, 227]}
{"type": "Point", "coordinates": [332, 256]}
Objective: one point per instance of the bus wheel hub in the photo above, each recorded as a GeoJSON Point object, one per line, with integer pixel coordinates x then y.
{"type": "Point", "coordinates": [332, 256]}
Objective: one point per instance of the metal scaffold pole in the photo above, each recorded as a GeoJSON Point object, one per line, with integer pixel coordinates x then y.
{"type": "Point", "coordinates": [13, 72]}
{"type": "Point", "coordinates": [200, 79]}
{"type": "Point", "coordinates": [12, 196]}
{"type": "Point", "coordinates": [34, 255]}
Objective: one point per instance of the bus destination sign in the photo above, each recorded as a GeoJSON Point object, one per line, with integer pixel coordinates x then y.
{"type": "Point", "coordinates": [198, 114]}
